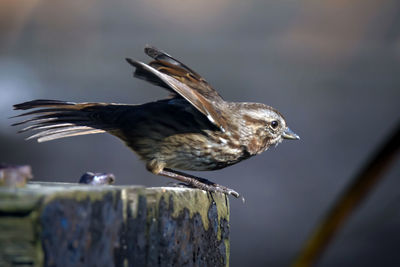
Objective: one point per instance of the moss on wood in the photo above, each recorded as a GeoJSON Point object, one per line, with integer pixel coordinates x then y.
{"type": "Point", "coordinates": [54, 224]}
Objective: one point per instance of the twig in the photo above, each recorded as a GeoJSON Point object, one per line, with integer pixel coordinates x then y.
{"type": "Point", "coordinates": [356, 192]}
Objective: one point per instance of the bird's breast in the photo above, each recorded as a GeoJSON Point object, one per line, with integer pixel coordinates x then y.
{"type": "Point", "coordinates": [198, 152]}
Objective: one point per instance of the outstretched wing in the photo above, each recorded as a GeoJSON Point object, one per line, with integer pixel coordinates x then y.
{"type": "Point", "coordinates": [169, 73]}
{"type": "Point", "coordinates": [174, 68]}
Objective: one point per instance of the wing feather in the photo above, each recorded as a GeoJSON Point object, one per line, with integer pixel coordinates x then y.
{"type": "Point", "coordinates": [207, 106]}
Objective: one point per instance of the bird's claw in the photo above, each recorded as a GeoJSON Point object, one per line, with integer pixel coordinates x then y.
{"type": "Point", "coordinates": [228, 191]}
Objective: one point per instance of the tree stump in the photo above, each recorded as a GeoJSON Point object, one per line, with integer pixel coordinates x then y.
{"type": "Point", "coordinates": [56, 224]}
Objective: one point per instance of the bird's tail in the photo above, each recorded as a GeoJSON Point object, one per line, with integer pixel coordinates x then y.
{"type": "Point", "coordinates": [55, 119]}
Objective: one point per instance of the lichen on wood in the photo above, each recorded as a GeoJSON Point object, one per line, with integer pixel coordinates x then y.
{"type": "Point", "coordinates": [54, 224]}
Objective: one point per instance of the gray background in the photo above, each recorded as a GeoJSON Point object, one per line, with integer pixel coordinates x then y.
{"type": "Point", "coordinates": [332, 67]}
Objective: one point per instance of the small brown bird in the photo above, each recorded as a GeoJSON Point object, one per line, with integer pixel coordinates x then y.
{"type": "Point", "coordinates": [194, 129]}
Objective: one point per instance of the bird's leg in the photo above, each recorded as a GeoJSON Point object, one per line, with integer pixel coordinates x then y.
{"type": "Point", "coordinates": [197, 182]}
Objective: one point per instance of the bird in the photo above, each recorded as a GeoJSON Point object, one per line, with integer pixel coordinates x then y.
{"type": "Point", "coordinates": [193, 129]}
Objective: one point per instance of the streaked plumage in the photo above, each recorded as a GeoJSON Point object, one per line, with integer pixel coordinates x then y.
{"type": "Point", "coordinates": [194, 129]}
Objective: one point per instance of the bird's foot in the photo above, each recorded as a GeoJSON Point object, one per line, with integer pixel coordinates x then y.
{"type": "Point", "coordinates": [200, 183]}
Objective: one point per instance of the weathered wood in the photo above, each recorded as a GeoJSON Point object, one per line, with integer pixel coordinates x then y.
{"type": "Point", "coordinates": [53, 224]}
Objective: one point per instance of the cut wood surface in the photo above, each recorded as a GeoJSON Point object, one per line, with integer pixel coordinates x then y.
{"type": "Point", "coordinates": [57, 224]}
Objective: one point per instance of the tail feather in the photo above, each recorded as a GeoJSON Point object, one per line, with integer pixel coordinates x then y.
{"type": "Point", "coordinates": [40, 111]}
{"type": "Point", "coordinates": [36, 127]}
{"type": "Point", "coordinates": [56, 119]}
{"type": "Point", "coordinates": [67, 134]}
{"type": "Point", "coordinates": [36, 120]}
{"type": "Point", "coordinates": [42, 103]}
{"type": "Point", "coordinates": [59, 130]}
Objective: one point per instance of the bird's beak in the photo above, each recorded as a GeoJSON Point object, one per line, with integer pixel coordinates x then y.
{"type": "Point", "coordinates": [289, 134]}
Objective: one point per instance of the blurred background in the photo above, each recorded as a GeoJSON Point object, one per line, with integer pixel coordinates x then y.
{"type": "Point", "coordinates": [331, 67]}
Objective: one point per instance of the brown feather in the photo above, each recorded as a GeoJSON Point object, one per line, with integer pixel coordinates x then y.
{"type": "Point", "coordinates": [58, 119]}
{"type": "Point", "coordinates": [209, 107]}
{"type": "Point", "coordinates": [193, 80]}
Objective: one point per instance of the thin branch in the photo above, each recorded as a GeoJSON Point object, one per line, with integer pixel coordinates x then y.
{"type": "Point", "coordinates": [356, 192]}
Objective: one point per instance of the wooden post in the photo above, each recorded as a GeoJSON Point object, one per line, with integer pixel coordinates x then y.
{"type": "Point", "coordinates": [56, 224]}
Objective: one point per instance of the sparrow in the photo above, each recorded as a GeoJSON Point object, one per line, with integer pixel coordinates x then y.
{"type": "Point", "coordinates": [194, 129]}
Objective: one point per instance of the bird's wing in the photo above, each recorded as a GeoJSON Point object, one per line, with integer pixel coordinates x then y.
{"type": "Point", "coordinates": [167, 72]}
{"type": "Point", "coordinates": [174, 68]}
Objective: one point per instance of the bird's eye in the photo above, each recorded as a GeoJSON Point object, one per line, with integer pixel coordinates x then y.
{"type": "Point", "coordinates": [274, 124]}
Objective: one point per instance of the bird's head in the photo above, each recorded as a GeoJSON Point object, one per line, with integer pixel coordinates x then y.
{"type": "Point", "coordinates": [264, 126]}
